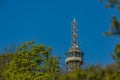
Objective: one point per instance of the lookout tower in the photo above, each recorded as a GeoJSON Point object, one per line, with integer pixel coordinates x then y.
{"type": "Point", "coordinates": [74, 55]}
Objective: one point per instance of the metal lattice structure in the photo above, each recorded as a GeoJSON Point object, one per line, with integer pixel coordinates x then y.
{"type": "Point", "coordinates": [74, 55]}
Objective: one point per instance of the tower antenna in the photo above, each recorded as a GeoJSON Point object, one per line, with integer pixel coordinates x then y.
{"type": "Point", "coordinates": [74, 55]}
{"type": "Point", "coordinates": [74, 33]}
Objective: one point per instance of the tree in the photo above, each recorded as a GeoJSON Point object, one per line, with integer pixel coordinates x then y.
{"type": "Point", "coordinates": [5, 59]}
{"type": "Point", "coordinates": [114, 28]}
{"type": "Point", "coordinates": [114, 69]}
{"type": "Point", "coordinates": [92, 72]}
{"type": "Point", "coordinates": [32, 62]}
{"type": "Point", "coordinates": [115, 24]}
{"type": "Point", "coordinates": [116, 55]}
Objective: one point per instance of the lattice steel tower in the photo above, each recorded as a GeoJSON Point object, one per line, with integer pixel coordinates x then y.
{"type": "Point", "coordinates": [74, 55]}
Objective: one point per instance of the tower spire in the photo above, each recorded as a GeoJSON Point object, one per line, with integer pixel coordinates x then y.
{"type": "Point", "coordinates": [74, 55]}
{"type": "Point", "coordinates": [74, 33]}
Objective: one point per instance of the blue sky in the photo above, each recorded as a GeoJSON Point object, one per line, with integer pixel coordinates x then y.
{"type": "Point", "coordinates": [49, 22]}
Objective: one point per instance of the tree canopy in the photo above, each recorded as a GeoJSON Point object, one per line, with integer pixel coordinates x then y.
{"type": "Point", "coordinates": [31, 62]}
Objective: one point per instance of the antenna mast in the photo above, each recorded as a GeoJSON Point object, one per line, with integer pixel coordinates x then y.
{"type": "Point", "coordinates": [74, 33]}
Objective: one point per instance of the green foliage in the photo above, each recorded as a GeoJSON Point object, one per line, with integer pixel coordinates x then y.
{"type": "Point", "coordinates": [112, 3]}
{"type": "Point", "coordinates": [35, 62]}
{"type": "Point", "coordinates": [116, 55]}
{"type": "Point", "coordinates": [5, 60]}
{"type": "Point", "coordinates": [32, 62]}
{"type": "Point", "coordinates": [93, 72]}
{"type": "Point", "coordinates": [114, 28]}
{"type": "Point", "coordinates": [115, 24]}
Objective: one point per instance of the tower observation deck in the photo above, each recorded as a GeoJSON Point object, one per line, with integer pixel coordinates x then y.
{"type": "Point", "coordinates": [74, 55]}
